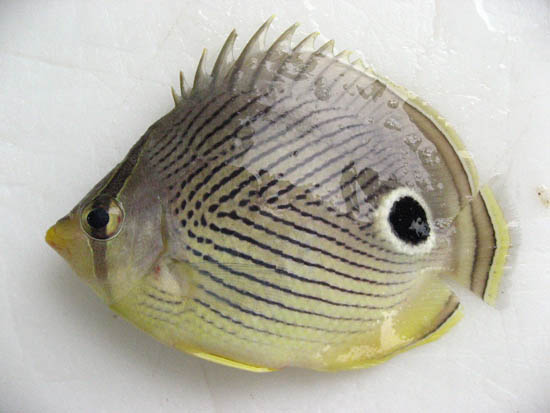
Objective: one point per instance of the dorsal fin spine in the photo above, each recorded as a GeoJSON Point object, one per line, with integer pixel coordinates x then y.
{"type": "Point", "coordinates": [183, 89]}
{"type": "Point", "coordinates": [177, 98]}
{"type": "Point", "coordinates": [281, 45]}
{"type": "Point", "coordinates": [327, 49]}
{"type": "Point", "coordinates": [201, 77]}
{"type": "Point", "coordinates": [307, 44]}
{"type": "Point", "coordinates": [344, 55]}
{"type": "Point", "coordinates": [255, 42]}
{"type": "Point", "coordinates": [224, 60]}
{"type": "Point", "coordinates": [359, 65]}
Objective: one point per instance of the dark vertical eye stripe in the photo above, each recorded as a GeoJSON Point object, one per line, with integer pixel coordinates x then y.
{"type": "Point", "coordinates": [120, 177]}
{"type": "Point", "coordinates": [112, 189]}
{"type": "Point", "coordinates": [99, 250]}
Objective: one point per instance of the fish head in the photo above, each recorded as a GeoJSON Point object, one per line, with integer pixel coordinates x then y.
{"type": "Point", "coordinates": [113, 236]}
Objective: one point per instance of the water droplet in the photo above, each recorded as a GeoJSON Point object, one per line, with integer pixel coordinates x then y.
{"type": "Point", "coordinates": [392, 124]}
{"type": "Point", "coordinates": [321, 89]}
{"type": "Point", "coordinates": [413, 139]}
{"type": "Point", "coordinates": [393, 103]}
{"type": "Point", "coordinates": [348, 87]}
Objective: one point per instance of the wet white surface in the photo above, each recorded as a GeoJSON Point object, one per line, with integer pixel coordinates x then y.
{"type": "Point", "coordinates": [81, 81]}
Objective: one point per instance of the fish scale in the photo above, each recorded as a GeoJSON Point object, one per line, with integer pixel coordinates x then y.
{"type": "Point", "coordinates": [293, 209]}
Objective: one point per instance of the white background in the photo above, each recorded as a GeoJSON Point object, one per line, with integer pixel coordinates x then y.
{"type": "Point", "coordinates": [80, 81]}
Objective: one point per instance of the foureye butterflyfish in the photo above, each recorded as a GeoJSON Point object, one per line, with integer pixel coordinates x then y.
{"type": "Point", "coordinates": [293, 209]}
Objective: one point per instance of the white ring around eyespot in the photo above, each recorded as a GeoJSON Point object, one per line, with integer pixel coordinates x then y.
{"type": "Point", "coordinates": [383, 225]}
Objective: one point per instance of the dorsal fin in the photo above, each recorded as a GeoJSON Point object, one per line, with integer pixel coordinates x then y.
{"type": "Point", "coordinates": [257, 61]}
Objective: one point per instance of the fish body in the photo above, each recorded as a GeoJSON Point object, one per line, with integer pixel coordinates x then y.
{"type": "Point", "coordinates": [293, 209]}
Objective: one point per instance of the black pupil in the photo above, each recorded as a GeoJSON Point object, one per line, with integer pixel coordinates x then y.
{"type": "Point", "coordinates": [98, 218]}
{"type": "Point", "coordinates": [408, 221]}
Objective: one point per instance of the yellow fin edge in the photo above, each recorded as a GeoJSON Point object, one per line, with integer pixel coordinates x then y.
{"type": "Point", "coordinates": [502, 236]}
{"type": "Point", "coordinates": [223, 360]}
{"type": "Point", "coordinates": [231, 363]}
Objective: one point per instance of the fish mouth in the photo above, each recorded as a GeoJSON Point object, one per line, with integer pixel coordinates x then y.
{"type": "Point", "coordinates": [60, 236]}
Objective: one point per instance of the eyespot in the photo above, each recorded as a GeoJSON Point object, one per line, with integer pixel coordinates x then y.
{"type": "Point", "coordinates": [102, 218]}
{"type": "Point", "coordinates": [408, 221]}
{"type": "Point", "coordinates": [404, 219]}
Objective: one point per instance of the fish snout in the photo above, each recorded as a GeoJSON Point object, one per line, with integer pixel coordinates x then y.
{"type": "Point", "coordinates": [61, 236]}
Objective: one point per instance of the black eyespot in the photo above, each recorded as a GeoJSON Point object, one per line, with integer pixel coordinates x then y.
{"type": "Point", "coordinates": [408, 221]}
{"type": "Point", "coordinates": [98, 218]}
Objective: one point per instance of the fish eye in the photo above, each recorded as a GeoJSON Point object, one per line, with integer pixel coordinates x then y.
{"type": "Point", "coordinates": [408, 221]}
{"type": "Point", "coordinates": [98, 218]}
{"type": "Point", "coordinates": [404, 220]}
{"type": "Point", "coordinates": [102, 218]}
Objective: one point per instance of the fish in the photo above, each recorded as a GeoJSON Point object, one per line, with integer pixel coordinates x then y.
{"type": "Point", "coordinates": [294, 209]}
